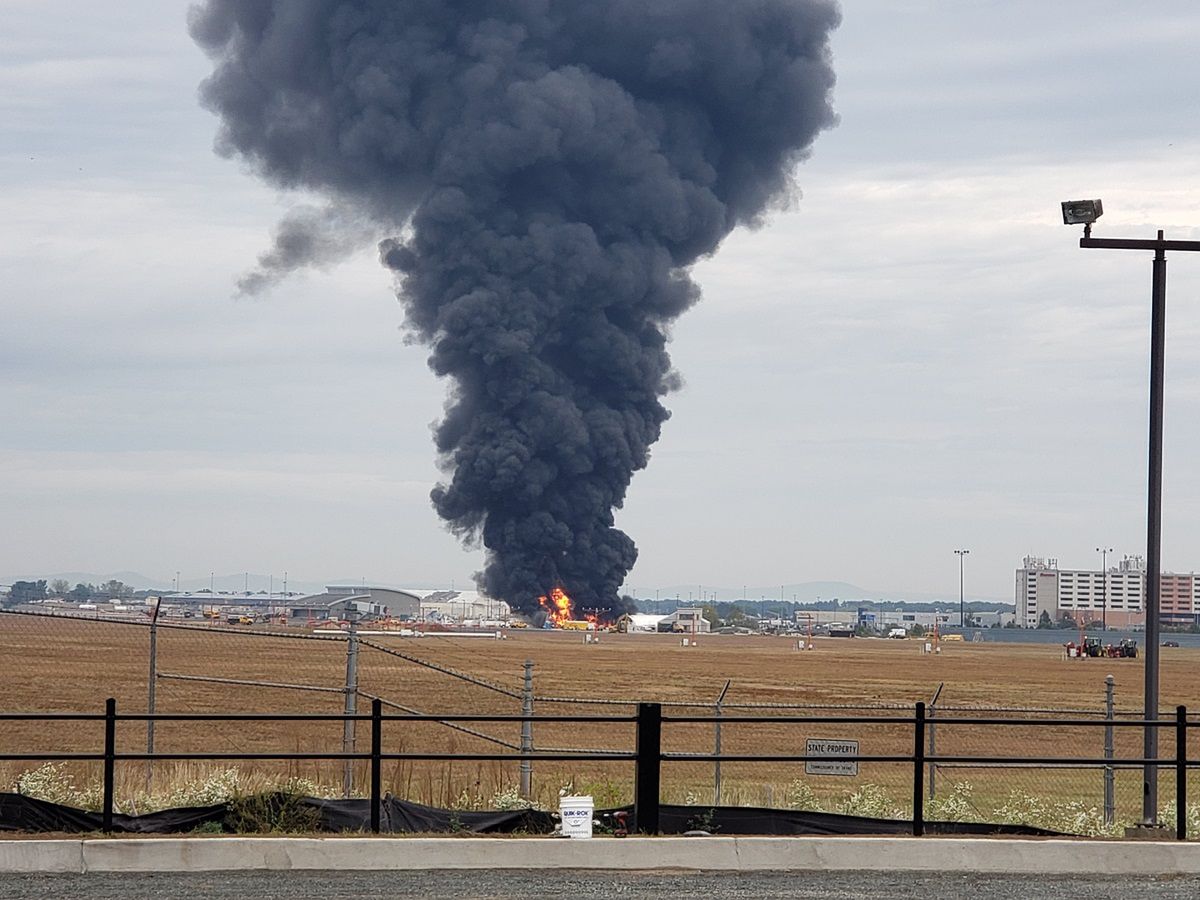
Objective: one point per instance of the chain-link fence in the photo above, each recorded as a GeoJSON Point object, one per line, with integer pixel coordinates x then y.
{"type": "Point", "coordinates": [62, 663]}
{"type": "Point", "coordinates": [71, 663]}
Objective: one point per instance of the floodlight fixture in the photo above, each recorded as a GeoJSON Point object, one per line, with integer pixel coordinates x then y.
{"type": "Point", "coordinates": [1085, 212]}
{"type": "Point", "coordinates": [1081, 212]}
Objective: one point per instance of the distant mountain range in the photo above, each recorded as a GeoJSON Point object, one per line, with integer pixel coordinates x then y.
{"type": "Point", "coordinates": [802, 592]}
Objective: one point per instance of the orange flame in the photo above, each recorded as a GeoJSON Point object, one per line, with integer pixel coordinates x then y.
{"type": "Point", "coordinates": [557, 606]}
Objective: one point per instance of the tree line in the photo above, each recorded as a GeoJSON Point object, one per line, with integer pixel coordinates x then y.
{"type": "Point", "coordinates": [59, 588]}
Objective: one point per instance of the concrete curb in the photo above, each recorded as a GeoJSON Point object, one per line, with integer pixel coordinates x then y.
{"type": "Point", "coordinates": [738, 854]}
{"type": "Point", "coordinates": [41, 856]}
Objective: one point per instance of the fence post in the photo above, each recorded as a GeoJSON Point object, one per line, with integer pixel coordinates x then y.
{"type": "Point", "coordinates": [717, 753]}
{"type": "Point", "coordinates": [919, 770]}
{"type": "Point", "coordinates": [933, 740]}
{"type": "Point", "coordinates": [1110, 801]}
{"type": "Point", "coordinates": [376, 762]}
{"type": "Point", "coordinates": [648, 777]}
{"type": "Point", "coordinates": [527, 732]}
{"type": "Point", "coordinates": [351, 705]}
{"type": "Point", "coordinates": [932, 728]}
{"type": "Point", "coordinates": [717, 744]}
{"type": "Point", "coordinates": [1181, 773]}
{"type": "Point", "coordinates": [110, 753]}
{"type": "Point", "coordinates": [151, 689]}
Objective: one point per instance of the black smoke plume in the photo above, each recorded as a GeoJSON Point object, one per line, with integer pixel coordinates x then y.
{"type": "Point", "coordinates": [551, 169]}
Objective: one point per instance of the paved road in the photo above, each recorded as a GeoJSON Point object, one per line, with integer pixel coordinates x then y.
{"type": "Point", "coordinates": [584, 886]}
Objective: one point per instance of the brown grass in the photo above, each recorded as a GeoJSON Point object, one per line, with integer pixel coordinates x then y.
{"type": "Point", "coordinates": [72, 665]}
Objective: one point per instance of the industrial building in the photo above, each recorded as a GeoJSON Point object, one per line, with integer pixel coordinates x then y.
{"type": "Point", "coordinates": [366, 600]}
{"type": "Point", "coordinates": [884, 619]}
{"type": "Point", "coordinates": [685, 620]}
{"type": "Point", "coordinates": [1116, 596]}
{"type": "Point", "coordinates": [460, 606]}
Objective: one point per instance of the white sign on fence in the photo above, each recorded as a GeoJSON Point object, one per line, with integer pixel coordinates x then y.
{"type": "Point", "coordinates": [843, 757]}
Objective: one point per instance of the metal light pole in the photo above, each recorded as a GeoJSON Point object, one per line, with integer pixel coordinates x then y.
{"type": "Point", "coordinates": [1158, 313]}
{"type": "Point", "coordinates": [962, 617]}
{"type": "Point", "coordinates": [1104, 551]}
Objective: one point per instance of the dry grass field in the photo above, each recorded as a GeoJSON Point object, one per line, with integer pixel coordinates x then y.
{"type": "Point", "coordinates": [72, 665]}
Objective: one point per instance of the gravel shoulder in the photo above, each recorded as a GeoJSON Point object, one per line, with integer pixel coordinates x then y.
{"type": "Point", "coordinates": [511, 885]}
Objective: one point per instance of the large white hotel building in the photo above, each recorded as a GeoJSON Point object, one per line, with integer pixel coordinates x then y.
{"type": "Point", "coordinates": [1115, 596]}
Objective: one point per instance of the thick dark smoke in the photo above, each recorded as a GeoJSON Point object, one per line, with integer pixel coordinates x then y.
{"type": "Point", "coordinates": [552, 169]}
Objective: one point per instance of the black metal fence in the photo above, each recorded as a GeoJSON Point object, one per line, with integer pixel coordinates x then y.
{"type": "Point", "coordinates": [647, 756]}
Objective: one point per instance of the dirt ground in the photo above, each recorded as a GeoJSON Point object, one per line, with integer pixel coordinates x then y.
{"type": "Point", "coordinates": [72, 665]}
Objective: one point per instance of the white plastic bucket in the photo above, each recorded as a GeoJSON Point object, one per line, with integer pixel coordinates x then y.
{"type": "Point", "coordinates": [576, 813]}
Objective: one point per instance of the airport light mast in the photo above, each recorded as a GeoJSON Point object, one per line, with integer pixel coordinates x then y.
{"type": "Point", "coordinates": [1085, 213]}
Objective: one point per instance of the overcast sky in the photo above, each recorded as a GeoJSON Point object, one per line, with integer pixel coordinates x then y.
{"type": "Point", "coordinates": [917, 358]}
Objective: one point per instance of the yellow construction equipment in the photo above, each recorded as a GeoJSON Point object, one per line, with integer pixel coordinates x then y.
{"type": "Point", "coordinates": [577, 625]}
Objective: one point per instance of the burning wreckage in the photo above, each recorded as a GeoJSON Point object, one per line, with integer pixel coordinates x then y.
{"type": "Point", "coordinates": [558, 611]}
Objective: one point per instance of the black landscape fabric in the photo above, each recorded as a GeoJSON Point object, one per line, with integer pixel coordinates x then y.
{"type": "Point", "coordinates": [26, 814]}
{"type": "Point", "coordinates": [21, 813]}
{"type": "Point", "coordinates": [541, 175]}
